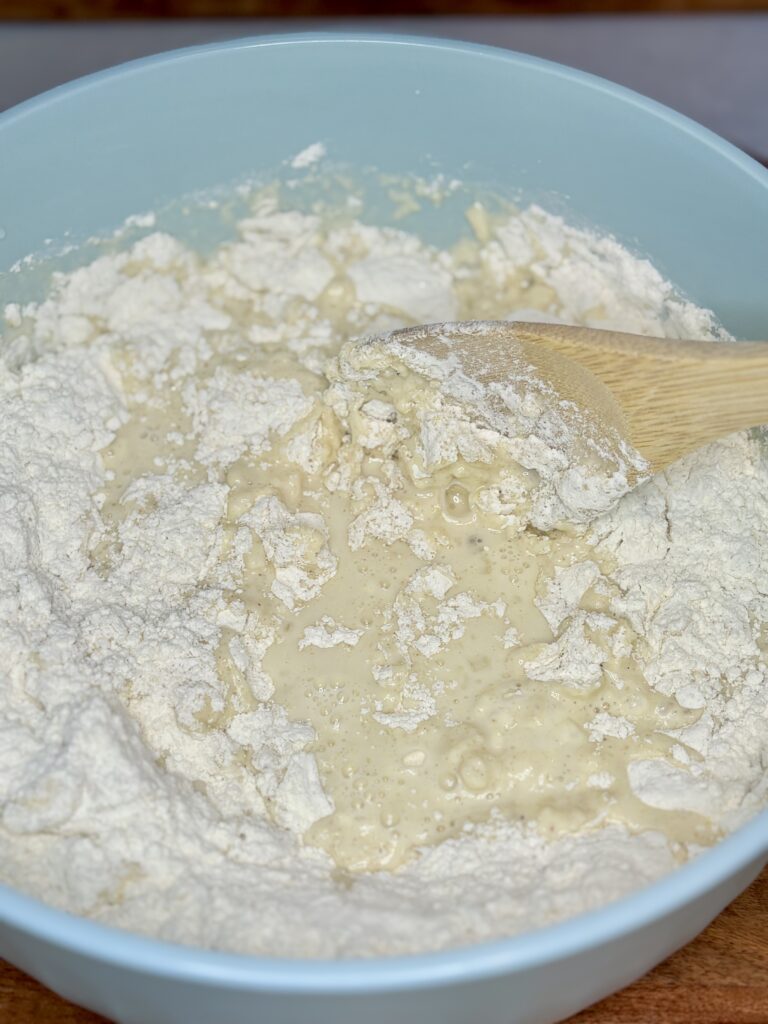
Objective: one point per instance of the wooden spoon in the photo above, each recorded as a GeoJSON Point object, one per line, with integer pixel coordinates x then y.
{"type": "Point", "coordinates": [664, 397]}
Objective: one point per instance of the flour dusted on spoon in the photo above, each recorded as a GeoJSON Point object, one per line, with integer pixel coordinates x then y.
{"type": "Point", "coordinates": [557, 464]}
{"type": "Point", "coordinates": [292, 636]}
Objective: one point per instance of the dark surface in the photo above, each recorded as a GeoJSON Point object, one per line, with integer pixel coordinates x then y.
{"type": "Point", "coordinates": [84, 9]}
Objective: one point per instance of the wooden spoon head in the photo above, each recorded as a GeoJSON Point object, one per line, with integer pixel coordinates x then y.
{"type": "Point", "coordinates": [498, 353]}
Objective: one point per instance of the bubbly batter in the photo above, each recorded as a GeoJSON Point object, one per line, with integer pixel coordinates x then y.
{"type": "Point", "coordinates": [395, 597]}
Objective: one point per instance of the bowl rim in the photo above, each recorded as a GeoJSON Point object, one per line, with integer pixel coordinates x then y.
{"type": "Point", "coordinates": [107, 944]}
{"type": "Point", "coordinates": [743, 849]}
{"type": "Point", "coordinates": [125, 69]}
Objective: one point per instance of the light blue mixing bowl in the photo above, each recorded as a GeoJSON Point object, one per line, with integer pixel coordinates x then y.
{"type": "Point", "coordinates": [79, 159]}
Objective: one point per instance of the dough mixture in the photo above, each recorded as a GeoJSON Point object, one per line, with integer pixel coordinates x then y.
{"type": "Point", "coordinates": [313, 649]}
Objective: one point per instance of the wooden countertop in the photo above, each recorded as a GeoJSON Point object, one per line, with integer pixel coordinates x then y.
{"type": "Point", "coordinates": [85, 9]}
{"type": "Point", "coordinates": [720, 978]}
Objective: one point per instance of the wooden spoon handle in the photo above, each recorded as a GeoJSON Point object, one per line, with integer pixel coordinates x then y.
{"type": "Point", "coordinates": [676, 395]}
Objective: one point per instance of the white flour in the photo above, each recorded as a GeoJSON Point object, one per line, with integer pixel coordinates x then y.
{"type": "Point", "coordinates": [115, 804]}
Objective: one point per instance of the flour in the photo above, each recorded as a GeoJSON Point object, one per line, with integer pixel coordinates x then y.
{"type": "Point", "coordinates": [430, 633]}
{"type": "Point", "coordinates": [700, 608]}
{"type": "Point", "coordinates": [149, 775]}
{"type": "Point", "coordinates": [328, 633]}
{"type": "Point", "coordinates": [236, 412]}
{"type": "Point", "coordinates": [296, 545]}
{"type": "Point", "coordinates": [566, 591]}
{"type": "Point", "coordinates": [573, 658]}
{"type": "Point", "coordinates": [563, 468]}
{"type": "Point", "coordinates": [386, 519]}
{"type": "Point", "coordinates": [308, 156]}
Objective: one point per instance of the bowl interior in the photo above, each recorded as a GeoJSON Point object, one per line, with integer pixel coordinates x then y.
{"type": "Point", "coordinates": [81, 159]}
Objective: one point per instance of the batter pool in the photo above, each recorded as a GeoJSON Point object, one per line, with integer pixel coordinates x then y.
{"type": "Point", "coordinates": [307, 628]}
